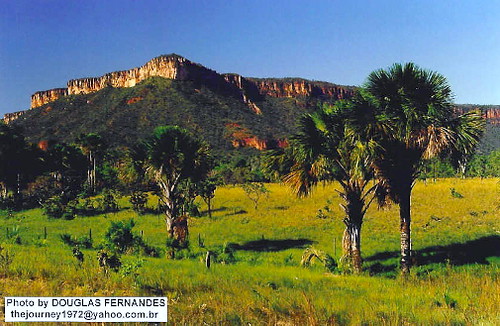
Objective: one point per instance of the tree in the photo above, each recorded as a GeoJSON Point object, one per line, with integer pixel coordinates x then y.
{"type": "Point", "coordinates": [206, 190]}
{"type": "Point", "coordinates": [66, 165]}
{"type": "Point", "coordinates": [329, 147]}
{"type": "Point", "coordinates": [173, 156]}
{"type": "Point", "coordinates": [254, 191]}
{"type": "Point", "coordinates": [19, 161]}
{"type": "Point", "coordinates": [415, 107]}
{"type": "Point", "coordinates": [92, 145]}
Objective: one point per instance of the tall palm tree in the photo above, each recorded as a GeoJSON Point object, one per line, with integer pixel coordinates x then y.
{"type": "Point", "coordinates": [328, 147]}
{"type": "Point", "coordinates": [415, 106]}
{"type": "Point", "coordinates": [91, 145]}
{"type": "Point", "coordinates": [173, 155]}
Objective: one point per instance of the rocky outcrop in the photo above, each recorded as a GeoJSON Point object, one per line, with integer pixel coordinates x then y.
{"type": "Point", "coordinates": [295, 87]}
{"type": "Point", "coordinates": [493, 116]}
{"type": "Point", "coordinates": [490, 112]}
{"type": "Point", "coordinates": [242, 137]}
{"type": "Point", "coordinates": [167, 66]}
{"type": "Point", "coordinates": [170, 66]}
{"type": "Point", "coordinates": [9, 117]}
{"type": "Point", "coordinates": [249, 90]}
{"type": "Point", "coordinates": [44, 97]}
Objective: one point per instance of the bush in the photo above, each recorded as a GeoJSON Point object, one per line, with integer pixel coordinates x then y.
{"type": "Point", "coordinates": [138, 200]}
{"type": "Point", "coordinates": [53, 207]}
{"type": "Point", "coordinates": [6, 258]}
{"type": "Point", "coordinates": [70, 210]}
{"type": "Point", "coordinates": [85, 207]}
{"type": "Point", "coordinates": [224, 255]}
{"type": "Point", "coordinates": [108, 201]}
{"type": "Point", "coordinates": [108, 260]}
{"type": "Point", "coordinates": [121, 239]}
{"type": "Point", "coordinates": [14, 235]}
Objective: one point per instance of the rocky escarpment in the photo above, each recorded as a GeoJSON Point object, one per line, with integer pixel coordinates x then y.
{"type": "Point", "coordinates": [44, 97]}
{"type": "Point", "coordinates": [9, 117]}
{"type": "Point", "coordinates": [294, 87]}
{"type": "Point", "coordinates": [249, 90]}
{"type": "Point", "coordinates": [168, 66]}
{"type": "Point", "coordinates": [490, 112]}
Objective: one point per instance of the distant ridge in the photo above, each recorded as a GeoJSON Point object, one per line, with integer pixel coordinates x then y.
{"type": "Point", "coordinates": [229, 110]}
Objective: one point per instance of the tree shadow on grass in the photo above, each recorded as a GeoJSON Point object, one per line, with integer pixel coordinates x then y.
{"type": "Point", "coordinates": [236, 212]}
{"type": "Point", "coordinates": [268, 245]}
{"type": "Point", "coordinates": [471, 252]}
{"type": "Point", "coordinates": [214, 210]}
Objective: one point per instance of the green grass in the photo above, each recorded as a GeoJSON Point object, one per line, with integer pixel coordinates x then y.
{"type": "Point", "coordinates": [455, 283]}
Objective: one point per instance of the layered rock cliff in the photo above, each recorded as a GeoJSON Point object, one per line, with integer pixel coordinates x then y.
{"type": "Point", "coordinates": [44, 97]}
{"type": "Point", "coordinates": [294, 87]}
{"type": "Point", "coordinates": [249, 90]}
{"type": "Point", "coordinates": [9, 117]}
{"type": "Point", "coordinates": [169, 66]}
{"type": "Point", "coordinates": [490, 112]}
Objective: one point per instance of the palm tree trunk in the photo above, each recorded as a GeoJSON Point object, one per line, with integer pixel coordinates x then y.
{"type": "Point", "coordinates": [352, 235]}
{"type": "Point", "coordinates": [170, 218]}
{"type": "Point", "coordinates": [405, 230]}
{"type": "Point", "coordinates": [355, 242]}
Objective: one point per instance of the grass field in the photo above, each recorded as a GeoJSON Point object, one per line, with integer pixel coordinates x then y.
{"type": "Point", "coordinates": [456, 241]}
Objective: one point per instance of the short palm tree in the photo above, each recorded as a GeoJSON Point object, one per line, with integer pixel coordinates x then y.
{"type": "Point", "coordinates": [415, 107]}
{"type": "Point", "coordinates": [328, 147]}
{"type": "Point", "coordinates": [173, 156]}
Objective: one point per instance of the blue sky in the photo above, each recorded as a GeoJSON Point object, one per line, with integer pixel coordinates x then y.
{"type": "Point", "coordinates": [44, 43]}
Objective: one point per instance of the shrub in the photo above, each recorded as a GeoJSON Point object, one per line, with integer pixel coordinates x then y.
{"type": "Point", "coordinates": [455, 193]}
{"type": "Point", "coordinates": [311, 253]}
{"type": "Point", "coordinates": [108, 201]}
{"type": "Point", "coordinates": [224, 254]}
{"type": "Point", "coordinates": [120, 238]}
{"type": "Point", "coordinates": [255, 191]}
{"type": "Point", "coordinates": [78, 254]}
{"type": "Point", "coordinates": [131, 267]}
{"type": "Point", "coordinates": [108, 260]}
{"type": "Point", "coordinates": [70, 210]}
{"type": "Point", "coordinates": [14, 235]}
{"type": "Point", "coordinates": [53, 207]}
{"type": "Point", "coordinates": [6, 258]}
{"type": "Point", "coordinates": [138, 200]}
{"type": "Point", "coordinates": [85, 207]}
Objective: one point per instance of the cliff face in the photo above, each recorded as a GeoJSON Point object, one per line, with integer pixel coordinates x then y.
{"type": "Point", "coordinates": [172, 67]}
{"type": "Point", "coordinates": [9, 117]}
{"type": "Point", "coordinates": [493, 116]}
{"type": "Point", "coordinates": [44, 97]}
{"type": "Point", "coordinates": [491, 113]}
{"type": "Point", "coordinates": [301, 87]}
{"type": "Point", "coordinates": [249, 90]}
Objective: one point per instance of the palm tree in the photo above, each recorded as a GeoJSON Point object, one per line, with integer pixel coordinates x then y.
{"type": "Point", "coordinates": [91, 145]}
{"type": "Point", "coordinates": [415, 107]}
{"type": "Point", "coordinates": [328, 147]}
{"type": "Point", "coordinates": [174, 156]}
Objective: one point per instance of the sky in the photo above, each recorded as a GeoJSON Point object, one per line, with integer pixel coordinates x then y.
{"type": "Point", "coordinates": [45, 43]}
